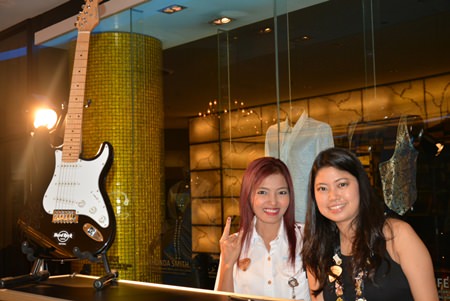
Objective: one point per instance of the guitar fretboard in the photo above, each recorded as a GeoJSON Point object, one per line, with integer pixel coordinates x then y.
{"type": "Point", "coordinates": [72, 135]}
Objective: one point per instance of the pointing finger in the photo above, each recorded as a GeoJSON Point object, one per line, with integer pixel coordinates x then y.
{"type": "Point", "coordinates": [226, 230]}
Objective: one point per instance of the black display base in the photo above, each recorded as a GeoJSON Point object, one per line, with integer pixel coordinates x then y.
{"type": "Point", "coordinates": [79, 288]}
{"type": "Point", "coordinates": [39, 273]}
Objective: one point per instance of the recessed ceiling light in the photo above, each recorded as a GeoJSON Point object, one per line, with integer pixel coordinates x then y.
{"type": "Point", "coordinates": [265, 30]}
{"type": "Point", "coordinates": [221, 21]}
{"type": "Point", "coordinates": [306, 37]}
{"type": "Point", "coordinates": [174, 8]}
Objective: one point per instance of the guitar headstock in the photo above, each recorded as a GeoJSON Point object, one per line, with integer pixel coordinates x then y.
{"type": "Point", "coordinates": [88, 17]}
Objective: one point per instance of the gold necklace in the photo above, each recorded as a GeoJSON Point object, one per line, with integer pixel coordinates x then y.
{"type": "Point", "coordinates": [334, 276]}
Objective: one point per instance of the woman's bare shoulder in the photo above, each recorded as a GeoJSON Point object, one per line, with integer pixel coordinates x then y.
{"type": "Point", "coordinates": [399, 235]}
{"type": "Point", "coordinates": [395, 226]}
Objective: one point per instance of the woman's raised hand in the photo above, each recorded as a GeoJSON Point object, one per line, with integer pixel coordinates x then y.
{"type": "Point", "coordinates": [230, 245]}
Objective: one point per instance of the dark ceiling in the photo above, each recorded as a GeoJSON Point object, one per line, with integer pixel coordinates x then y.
{"type": "Point", "coordinates": [410, 40]}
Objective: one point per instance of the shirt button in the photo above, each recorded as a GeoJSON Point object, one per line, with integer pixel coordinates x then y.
{"type": "Point", "coordinates": [269, 282]}
{"type": "Point", "coordinates": [268, 258]}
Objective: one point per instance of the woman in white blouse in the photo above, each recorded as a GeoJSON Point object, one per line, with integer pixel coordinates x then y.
{"type": "Point", "coordinates": [263, 257]}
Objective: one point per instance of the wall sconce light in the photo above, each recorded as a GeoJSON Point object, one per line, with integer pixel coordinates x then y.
{"type": "Point", "coordinates": [430, 144]}
{"type": "Point", "coordinates": [440, 147]}
{"type": "Point", "coordinates": [45, 114]}
{"type": "Point", "coordinates": [45, 117]}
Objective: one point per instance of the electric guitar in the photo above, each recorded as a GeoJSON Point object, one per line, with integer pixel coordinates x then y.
{"type": "Point", "coordinates": [76, 217]}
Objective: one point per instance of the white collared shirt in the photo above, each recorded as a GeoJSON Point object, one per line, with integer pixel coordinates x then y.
{"type": "Point", "coordinates": [299, 145]}
{"type": "Point", "coordinates": [269, 271]}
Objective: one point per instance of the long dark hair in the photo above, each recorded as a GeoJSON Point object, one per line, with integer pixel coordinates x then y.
{"type": "Point", "coordinates": [321, 236]}
{"type": "Point", "coordinates": [255, 173]}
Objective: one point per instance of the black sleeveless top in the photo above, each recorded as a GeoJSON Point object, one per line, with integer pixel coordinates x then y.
{"type": "Point", "coordinates": [391, 284]}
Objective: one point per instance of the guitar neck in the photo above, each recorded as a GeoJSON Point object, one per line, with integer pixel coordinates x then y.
{"type": "Point", "coordinates": [72, 135]}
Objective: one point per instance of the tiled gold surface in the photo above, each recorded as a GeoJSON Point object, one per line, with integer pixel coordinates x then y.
{"type": "Point", "coordinates": [124, 85]}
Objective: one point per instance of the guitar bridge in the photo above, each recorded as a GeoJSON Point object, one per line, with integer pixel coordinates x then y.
{"type": "Point", "coordinates": [65, 217]}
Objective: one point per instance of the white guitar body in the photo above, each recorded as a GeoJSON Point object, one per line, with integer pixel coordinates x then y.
{"type": "Point", "coordinates": [75, 186]}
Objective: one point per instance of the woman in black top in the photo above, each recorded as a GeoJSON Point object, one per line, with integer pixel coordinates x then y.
{"type": "Point", "coordinates": [351, 249]}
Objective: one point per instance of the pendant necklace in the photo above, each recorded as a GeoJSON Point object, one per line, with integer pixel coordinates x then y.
{"type": "Point", "coordinates": [293, 283]}
{"type": "Point", "coordinates": [335, 276]}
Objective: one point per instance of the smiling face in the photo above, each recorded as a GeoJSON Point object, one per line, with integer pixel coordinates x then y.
{"type": "Point", "coordinates": [270, 201]}
{"type": "Point", "coordinates": [337, 195]}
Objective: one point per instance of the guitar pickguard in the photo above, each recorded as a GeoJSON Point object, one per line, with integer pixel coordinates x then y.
{"type": "Point", "coordinates": [75, 187]}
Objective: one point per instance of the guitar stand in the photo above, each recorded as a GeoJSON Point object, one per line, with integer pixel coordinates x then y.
{"type": "Point", "coordinates": [37, 274]}
{"type": "Point", "coordinates": [106, 279]}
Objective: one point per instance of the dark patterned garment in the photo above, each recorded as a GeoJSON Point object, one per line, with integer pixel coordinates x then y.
{"type": "Point", "coordinates": [398, 174]}
{"type": "Point", "coordinates": [391, 284]}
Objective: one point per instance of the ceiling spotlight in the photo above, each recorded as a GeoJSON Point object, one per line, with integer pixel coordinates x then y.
{"type": "Point", "coordinates": [221, 21]}
{"type": "Point", "coordinates": [174, 8]}
{"type": "Point", "coordinates": [305, 37]}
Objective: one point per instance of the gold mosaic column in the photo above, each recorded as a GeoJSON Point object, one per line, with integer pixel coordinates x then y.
{"type": "Point", "coordinates": [124, 87]}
